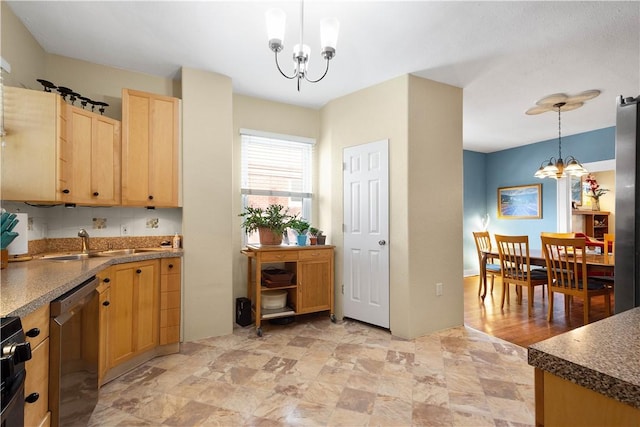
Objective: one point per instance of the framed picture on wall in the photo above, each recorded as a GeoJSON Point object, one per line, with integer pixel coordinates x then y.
{"type": "Point", "coordinates": [576, 191]}
{"type": "Point", "coordinates": [520, 202]}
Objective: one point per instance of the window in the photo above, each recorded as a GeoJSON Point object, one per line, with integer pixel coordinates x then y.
{"type": "Point", "coordinates": [276, 169]}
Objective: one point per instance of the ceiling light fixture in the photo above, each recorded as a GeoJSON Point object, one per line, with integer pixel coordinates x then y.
{"type": "Point", "coordinates": [557, 168]}
{"type": "Point", "coordinates": [329, 27]}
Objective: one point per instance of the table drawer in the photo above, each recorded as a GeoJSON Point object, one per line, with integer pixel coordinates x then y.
{"type": "Point", "coordinates": [311, 254]}
{"type": "Point", "coordinates": [279, 256]}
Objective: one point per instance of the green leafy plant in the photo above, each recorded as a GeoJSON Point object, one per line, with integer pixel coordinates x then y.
{"type": "Point", "coordinates": [275, 217]}
{"type": "Point", "coordinates": [313, 231]}
{"type": "Point", "coordinates": [299, 225]}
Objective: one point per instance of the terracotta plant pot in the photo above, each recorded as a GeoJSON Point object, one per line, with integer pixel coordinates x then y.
{"type": "Point", "coordinates": [313, 240]}
{"type": "Point", "coordinates": [268, 237]}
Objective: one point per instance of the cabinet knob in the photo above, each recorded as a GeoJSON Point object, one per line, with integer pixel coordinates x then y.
{"type": "Point", "coordinates": [32, 398]}
{"type": "Point", "coordinates": [150, 197]}
{"type": "Point", "coordinates": [138, 271]}
{"type": "Point", "coordinates": [96, 194]}
{"type": "Point", "coordinates": [106, 303]}
{"type": "Point", "coordinates": [106, 280]}
{"type": "Point", "coordinates": [32, 333]}
{"type": "Point", "coordinates": [66, 191]}
{"type": "Point", "coordinates": [170, 265]}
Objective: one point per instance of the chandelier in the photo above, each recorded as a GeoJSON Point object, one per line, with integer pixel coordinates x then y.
{"type": "Point", "coordinates": [329, 27]}
{"type": "Point", "coordinates": [557, 167]}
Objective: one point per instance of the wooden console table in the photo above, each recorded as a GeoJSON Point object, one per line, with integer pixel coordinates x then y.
{"type": "Point", "coordinates": [311, 288]}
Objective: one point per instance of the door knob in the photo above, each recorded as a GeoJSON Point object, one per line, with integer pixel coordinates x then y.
{"type": "Point", "coordinates": [382, 242]}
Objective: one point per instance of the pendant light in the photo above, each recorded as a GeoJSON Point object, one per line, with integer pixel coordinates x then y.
{"type": "Point", "coordinates": [557, 167]}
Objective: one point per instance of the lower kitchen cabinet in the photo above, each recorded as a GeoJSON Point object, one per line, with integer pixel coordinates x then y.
{"type": "Point", "coordinates": [36, 387]}
{"type": "Point", "coordinates": [170, 284]}
{"type": "Point", "coordinates": [104, 298]}
{"type": "Point", "coordinates": [133, 310]}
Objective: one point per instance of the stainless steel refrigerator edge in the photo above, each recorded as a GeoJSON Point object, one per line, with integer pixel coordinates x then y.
{"type": "Point", "coordinates": [627, 274]}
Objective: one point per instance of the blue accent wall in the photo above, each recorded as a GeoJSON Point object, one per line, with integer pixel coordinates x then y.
{"type": "Point", "coordinates": [516, 166]}
{"type": "Point", "coordinates": [475, 204]}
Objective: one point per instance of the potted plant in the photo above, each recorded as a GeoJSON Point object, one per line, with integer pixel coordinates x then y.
{"type": "Point", "coordinates": [322, 239]}
{"type": "Point", "coordinates": [270, 222]}
{"type": "Point", "coordinates": [299, 227]}
{"type": "Point", "coordinates": [313, 235]}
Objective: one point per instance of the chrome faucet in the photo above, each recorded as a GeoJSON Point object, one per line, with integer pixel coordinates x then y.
{"type": "Point", "coordinates": [82, 234]}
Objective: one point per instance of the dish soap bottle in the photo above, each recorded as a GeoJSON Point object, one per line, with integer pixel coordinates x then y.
{"type": "Point", "coordinates": [176, 241]}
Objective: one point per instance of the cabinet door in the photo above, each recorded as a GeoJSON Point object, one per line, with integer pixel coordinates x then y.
{"type": "Point", "coordinates": [146, 316]}
{"type": "Point", "coordinates": [36, 386]}
{"type": "Point", "coordinates": [33, 121]}
{"type": "Point", "coordinates": [150, 140]}
{"type": "Point", "coordinates": [314, 285]}
{"type": "Point", "coordinates": [170, 283]}
{"type": "Point", "coordinates": [104, 292]}
{"type": "Point", "coordinates": [121, 343]}
{"type": "Point", "coordinates": [91, 167]}
{"type": "Point", "coordinates": [134, 310]}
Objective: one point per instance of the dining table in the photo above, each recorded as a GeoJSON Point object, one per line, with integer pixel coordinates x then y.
{"type": "Point", "coordinates": [603, 264]}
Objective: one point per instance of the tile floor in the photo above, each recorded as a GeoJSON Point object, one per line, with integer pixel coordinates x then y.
{"type": "Point", "coordinates": [317, 373]}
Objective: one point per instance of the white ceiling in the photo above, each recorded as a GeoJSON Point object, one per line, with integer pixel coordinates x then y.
{"type": "Point", "coordinates": [505, 55]}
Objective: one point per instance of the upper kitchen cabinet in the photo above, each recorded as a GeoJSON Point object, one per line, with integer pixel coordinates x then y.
{"type": "Point", "coordinates": [35, 125]}
{"type": "Point", "coordinates": [150, 149]}
{"type": "Point", "coordinates": [91, 159]}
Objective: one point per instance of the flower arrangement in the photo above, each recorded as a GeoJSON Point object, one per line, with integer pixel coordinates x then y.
{"type": "Point", "coordinates": [595, 191]}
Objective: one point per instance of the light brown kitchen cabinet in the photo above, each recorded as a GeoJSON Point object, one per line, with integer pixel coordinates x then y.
{"type": "Point", "coordinates": [104, 301]}
{"type": "Point", "coordinates": [31, 156]}
{"type": "Point", "coordinates": [133, 310]}
{"type": "Point", "coordinates": [91, 158]}
{"type": "Point", "coordinates": [36, 388]}
{"type": "Point", "coordinates": [315, 280]}
{"type": "Point", "coordinates": [150, 149]}
{"type": "Point", "coordinates": [312, 289]}
{"type": "Point", "coordinates": [170, 284]}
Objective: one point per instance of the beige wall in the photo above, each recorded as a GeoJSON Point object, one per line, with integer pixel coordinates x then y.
{"type": "Point", "coordinates": [207, 213]}
{"type": "Point", "coordinates": [101, 83]}
{"type": "Point", "coordinates": [376, 113]}
{"type": "Point", "coordinates": [21, 51]}
{"type": "Point", "coordinates": [435, 189]}
{"type": "Point", "coordinates": [422, 120]}
{"type": "Point", "coordinates": [266, 116]}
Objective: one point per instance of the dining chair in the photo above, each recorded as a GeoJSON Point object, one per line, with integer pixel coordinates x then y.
{"type": "Point", "coordinates": [567, 274]}
{"type": "Point", "coordinates": [553, 234]}
{"type": "Point", "coordinates": [483, 242]}
{"type": "Point", "coordinates": [609, 242]}
{"type": "Point", "coordinates": [516, 268]}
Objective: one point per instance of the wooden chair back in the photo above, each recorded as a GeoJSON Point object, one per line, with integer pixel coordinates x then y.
{"type": "Point", "coordinates": [609, 241]}
{"type": "Point", "coordinates": [516, 266]}
{"type": "Point", "coordinates": [562, 235]}
{"type": "Point", "coordinates": [514, 258]}
{"type": "Point", "coordinates": [483, 241]}
{"type": "Point", "coordinates": [567, 272]}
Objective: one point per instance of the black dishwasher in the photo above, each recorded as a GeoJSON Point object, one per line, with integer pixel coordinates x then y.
{"type": "Point", "coordinates": [73, 335]}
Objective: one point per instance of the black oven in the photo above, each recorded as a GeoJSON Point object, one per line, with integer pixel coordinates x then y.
{"type": "Point", "coordinates": [15, 351]}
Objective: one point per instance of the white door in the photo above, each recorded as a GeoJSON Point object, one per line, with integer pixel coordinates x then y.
{"type": "Point", "coordinates": [366, 233]}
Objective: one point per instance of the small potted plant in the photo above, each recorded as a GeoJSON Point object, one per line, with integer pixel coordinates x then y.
{"type": "Point", "coordinates": [270, 223]}
{"type": "Point", "coordinates": [299, 227]}
{"type": "Point", "coordinates": [322, 239]}
{"type": "Point", "coordinates": [313, 235]}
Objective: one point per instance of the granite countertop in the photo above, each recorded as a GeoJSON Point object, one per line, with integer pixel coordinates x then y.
{"type": "Point", "coordinates": [28, 285]}
{"type": "Point", "coordinates": [602, 356]}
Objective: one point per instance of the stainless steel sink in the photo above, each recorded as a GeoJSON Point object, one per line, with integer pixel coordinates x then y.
{"type": "Point", "coordinates": [68, 257]}
{"type": "Point", "coordinates": [119, 252]}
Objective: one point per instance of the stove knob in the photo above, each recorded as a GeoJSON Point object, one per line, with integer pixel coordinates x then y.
{"type": "Point", "coordinates": [22, 352]}
{"type": "Point", "coordinates": [17, 353]}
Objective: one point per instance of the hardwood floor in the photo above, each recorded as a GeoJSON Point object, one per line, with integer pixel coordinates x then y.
{"type": "Point", "coordinates": [513, 324]}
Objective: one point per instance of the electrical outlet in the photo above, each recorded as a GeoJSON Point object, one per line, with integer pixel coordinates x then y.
{"type": "Point", "coordinates": [124, 230]}
{"type": "Point", "coordinates": [438, 289]}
